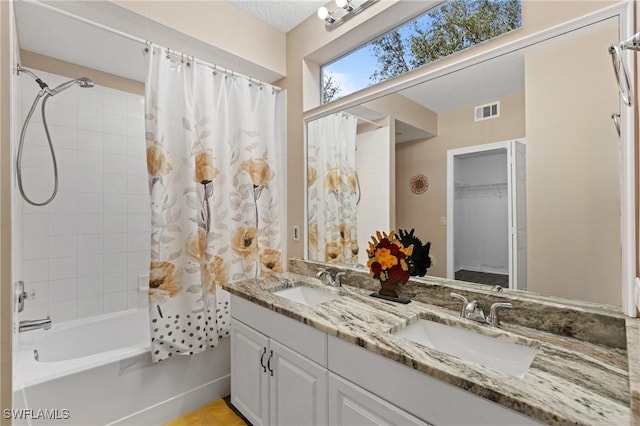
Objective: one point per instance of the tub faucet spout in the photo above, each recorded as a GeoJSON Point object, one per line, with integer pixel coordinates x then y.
{"type": "Point", "coordinates": [28, 325]}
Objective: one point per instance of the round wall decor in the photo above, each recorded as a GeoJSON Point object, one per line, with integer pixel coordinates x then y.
{"type": "Point", "coordinates": [419, 184]}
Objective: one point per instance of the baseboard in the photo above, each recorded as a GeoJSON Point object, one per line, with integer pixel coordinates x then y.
{"type": "Point", "coordinates": [178, 405]}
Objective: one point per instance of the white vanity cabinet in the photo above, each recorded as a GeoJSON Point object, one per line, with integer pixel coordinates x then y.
{"type": "Point", "coordinates": [271, 384]}
{"type": "Point", "coordinates": [350, 405]}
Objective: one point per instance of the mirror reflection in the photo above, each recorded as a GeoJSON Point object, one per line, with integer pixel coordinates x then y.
{"type": "Point", "coordinates": [508, 167]}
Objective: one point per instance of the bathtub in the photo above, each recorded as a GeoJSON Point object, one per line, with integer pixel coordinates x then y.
{"type": "Point", "coordinates": [98, 371]}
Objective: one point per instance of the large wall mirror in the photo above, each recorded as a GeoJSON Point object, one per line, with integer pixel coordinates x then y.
{"type": "Point", "coordinates": [510, 168]}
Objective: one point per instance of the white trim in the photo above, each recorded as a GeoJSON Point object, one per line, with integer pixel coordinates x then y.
{"type": "Point", "coordinates": [451, 153]}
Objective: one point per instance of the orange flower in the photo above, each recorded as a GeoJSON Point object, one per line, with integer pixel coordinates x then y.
{"type": "Point", "coordinates": [333, 179]}
{"type": "Point", "coordinates": [157, 164]}
{"type": "Point", "coordinates": [352, 181]}
{"type": "Point", "coordinates": [313, 235]}
{"type": "Point", "coordinates": [332, 252]}
{"type": "Point", "coordinates": [197, 245]}
{"type": "Point", "coordinates": [205, 172]}
{"type": "Point", "coordinates": [345, 232]}
{"type": "Point", "coordinates": [271, 261]}
{"type": "Point", "coordinates": [162, 280]}
{"type": "Point", "coordinates": [386, 259]}
{"type": "Point", "coordinates": [245, 242]}
{"type": "Point", "coordinates": [259, 170]}
{"type": "Point", "coordinates": [214, 274]}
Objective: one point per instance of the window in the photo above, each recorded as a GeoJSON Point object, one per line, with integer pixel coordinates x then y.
{"type": "Point", "coordinates": [448, 28]}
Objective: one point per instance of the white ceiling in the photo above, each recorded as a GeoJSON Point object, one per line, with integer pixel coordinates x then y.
{"type": "Point", "coordinates": [283, 15]}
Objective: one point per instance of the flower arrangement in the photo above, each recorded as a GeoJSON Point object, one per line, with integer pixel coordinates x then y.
{"type": "Point", "coordinates": [394, 258]}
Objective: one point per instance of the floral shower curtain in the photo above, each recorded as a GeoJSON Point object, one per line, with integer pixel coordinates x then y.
{"type": "Point", "coordinates": [331, 181]}
{"type": "Point", "coordinates": [211, 160]}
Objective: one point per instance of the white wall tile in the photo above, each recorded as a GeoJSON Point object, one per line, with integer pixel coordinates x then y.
{"type": "Point", "coordinates": [115, 144]}
{"type": "Point", "coordinates": [89, 161]}
{"type": "Point", "coordinates": [90, 202]}
{"type": "Point", "coordinates": [62, 267]}
{"type": "Point", "coordinates": [62, 246]}
{"type": "Point", "coordinates": [138, 223]}
{"type": "Point", "coordinates": [62, 224]}
{"type": "Point", "coordinates": [115, 163]}
{"type": "Point", "coordinates": [35, 311]}
{"type": "Point", "coordinates": [90, 182]}
{"type": "Point", "coordinates": [138, 241]}
{"type": "Point", "coordinates": [35, 248]}
{"type": "Point", "coordinates": [89, 140]}
{"type": "Point", "coordinates": [63, 311]}
{"type": "Point", "coordinates": [138, 260]}
{"type": "Point", "coordinates": [90, 243]}
{"type": "Point", "coordinates": [61, 290]}
{"type": "Point", "coordinates": [90, 265]}
{"type": "Point", "coordinates": [38, 293]}
{"type": "Point", "coordinates": [115, 262]}
{"type": "Point", "coordinates": [90, 306]}
{"type": "Point", "coordinates": [114, 302]}
{"type": "Point", "coordinates": [114, 243]}
{"type": "Point", "coordinates": [115, 124]}
{"type": "Point", "coordinates": [35, 224]}
{"type": "Point", "coordinates": [115, 282]}
{"type": "Point", "coordinates": [78, 248]}
{"type": "Point", "coordinates": [90, 120]}
{"type": "Point", "coordinates": [90, 223]}
{"type": "Point", "coordinates": [115, 222]}
{"type": "Point", "coordinates": [64, 137]}
{"type": "Point", "coordinates": [90, 286]}
{"type": "Point", "coordinates": [36, 270]}
{"type": "Point", "coordinates": [115, 184]}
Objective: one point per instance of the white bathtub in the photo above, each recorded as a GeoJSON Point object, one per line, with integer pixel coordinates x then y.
{"type": "Point", "coordinates": [100, 370]}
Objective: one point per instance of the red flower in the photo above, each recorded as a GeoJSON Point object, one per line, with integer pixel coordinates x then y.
{"type": "Point", "coordinates": [398, 275]}
{"type": "Point", "coordinates": [394, 250]}
{"type": "Point", "coordinates": [384, 243]}
{"type": "Point", "coordinates": [376, 268]}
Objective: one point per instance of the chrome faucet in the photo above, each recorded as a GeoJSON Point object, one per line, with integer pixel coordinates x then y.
{"type": "Point", "coordinates": [331, 280]}
{"type": "Point", "coordinates": [473, 311]}
{"type": "Point", "coordinates": [28, 325]}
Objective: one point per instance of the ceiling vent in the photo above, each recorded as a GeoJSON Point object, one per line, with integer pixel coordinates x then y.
{"type": "Point", "coordinates": [485, 112]}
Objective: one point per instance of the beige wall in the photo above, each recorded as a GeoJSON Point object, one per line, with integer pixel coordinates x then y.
{"type": "Point", "coordinates": [219, 24]}
{"type": "Point", "coordinates": [456, 129]}
{"type": "Point", "coordinates": [67, 69]}
{"type": "Point", "coordinates": [573, 196]}
{"type": "Point", "coordinates": [5, 214]}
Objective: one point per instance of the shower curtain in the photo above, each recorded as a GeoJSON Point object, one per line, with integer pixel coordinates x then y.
{"type": "Point", "coordinates": [331, 181]}
{"type": "Point", "coordinates": [211, 160]}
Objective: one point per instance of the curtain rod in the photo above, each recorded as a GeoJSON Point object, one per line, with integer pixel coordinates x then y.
{"type": "Point", "coordinates": [147, 42]}
{"type": "Point", "coordinates": [363, 119]}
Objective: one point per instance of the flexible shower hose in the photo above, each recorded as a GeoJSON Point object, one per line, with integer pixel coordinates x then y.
{"type": "Point", "coordinates": [21, 146]}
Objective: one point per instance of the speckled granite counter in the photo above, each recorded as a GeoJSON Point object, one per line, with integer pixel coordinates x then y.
{"type": "Point", "coordinates": [569, 381]}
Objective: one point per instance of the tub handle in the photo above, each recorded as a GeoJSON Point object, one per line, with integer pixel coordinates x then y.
{"type": "Point", "coordinates": [269, 363]}
{"type": "Point", "coordinates": [264, 368]}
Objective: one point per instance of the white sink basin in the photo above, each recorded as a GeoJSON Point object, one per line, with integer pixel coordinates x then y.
{"type": "Point", "coordinates": [306, 295]}
{"type": "Point", "coordinates": [500, 355]}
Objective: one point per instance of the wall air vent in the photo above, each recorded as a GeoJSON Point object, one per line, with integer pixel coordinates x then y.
{"type": "Point", "coordinates": [485, 112]}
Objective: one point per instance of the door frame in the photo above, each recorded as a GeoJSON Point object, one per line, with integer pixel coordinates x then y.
{"type": "Point", "coordinates": [451, 154]}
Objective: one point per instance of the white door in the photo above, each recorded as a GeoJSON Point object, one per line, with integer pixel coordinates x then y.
{"type": "Point", "coordinates": [519, 213]}
{"type": "Point", "coordinates": [350, 405]}
{"type": "Point", "coordinates": [249, 374]}
{"type": "Point", "coordinates": [298, 389]}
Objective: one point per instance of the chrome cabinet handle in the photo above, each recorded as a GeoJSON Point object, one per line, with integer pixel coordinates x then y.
{"type": "Point", "coordinates": [269, 363]}
{"type": "Point", "coordinates": [264, 368]}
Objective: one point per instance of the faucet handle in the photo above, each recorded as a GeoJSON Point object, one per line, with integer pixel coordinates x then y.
{"type": "Point", "coordinates": [493, 312]}
{"type": "Point", "coordinates": [464, 300]}
{"type": "Point", "coordinates": [337, 279]}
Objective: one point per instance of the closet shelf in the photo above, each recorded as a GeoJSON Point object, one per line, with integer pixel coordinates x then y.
{"type": "Point", "coordinates": [481, 190]}
{"type": "Point", "coordinates": [467, 187]}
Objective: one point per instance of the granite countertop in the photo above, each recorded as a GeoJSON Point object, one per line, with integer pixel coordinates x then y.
{"type": "Point", "coordinates": [569, 381]}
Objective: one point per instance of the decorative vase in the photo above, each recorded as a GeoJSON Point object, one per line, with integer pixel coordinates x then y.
{"type": "Point", "coordinates": [388, 288]}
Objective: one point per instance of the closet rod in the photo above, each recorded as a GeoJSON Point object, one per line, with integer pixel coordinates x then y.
{"type": "Point", "coordinates": [363, 119]}
{"type": "Point", "coordinates": [145, 42]}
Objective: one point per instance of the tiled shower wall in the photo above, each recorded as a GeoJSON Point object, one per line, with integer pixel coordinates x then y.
{"type": "Point", "coordinates": [85, 253]}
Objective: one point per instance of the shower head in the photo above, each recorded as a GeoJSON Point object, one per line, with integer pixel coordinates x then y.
{"type": "Point", "coordinates": [83, 82]}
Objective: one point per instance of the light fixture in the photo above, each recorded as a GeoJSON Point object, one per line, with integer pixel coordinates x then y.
{"type": "Point", "coordinates": [345, 10]}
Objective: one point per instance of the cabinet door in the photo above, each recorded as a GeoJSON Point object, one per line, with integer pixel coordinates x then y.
{"type": "Point", "coordinates": [249, 380]}
{"type": "Point", "coordinates": [298, 389]}
{"type": "Point", "coordinates": [350, 405]}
